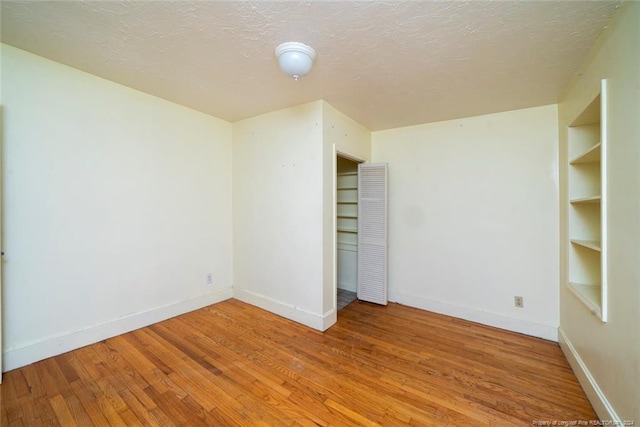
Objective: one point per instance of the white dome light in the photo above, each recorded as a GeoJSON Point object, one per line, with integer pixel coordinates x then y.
{"type": "Point", "coordinates": [295, 59]}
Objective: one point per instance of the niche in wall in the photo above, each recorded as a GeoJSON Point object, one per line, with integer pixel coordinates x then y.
{"type": "Point", "coordinates": [587, 145]}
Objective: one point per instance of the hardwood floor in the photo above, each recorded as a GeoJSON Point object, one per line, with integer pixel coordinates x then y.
{"type": "Point", "coordinates": [234, 364]}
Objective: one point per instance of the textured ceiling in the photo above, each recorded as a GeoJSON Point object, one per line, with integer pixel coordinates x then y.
{"type": "Point", "coordinates": [384, 63]}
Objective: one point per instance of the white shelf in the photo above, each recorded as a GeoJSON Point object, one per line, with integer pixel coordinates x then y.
{"type": "Point", "coordinates": [586, 200]}
{"type": "Point", "coordinates": [347, 247]}
{"type": "Point", "coordinates": [589, 244]}
{"type": "Point", "coordinates": [587, 213]}
{"type": "Point", "coordinates": [592, 155]}
{"type": "Point", "coordinates": [347, 230]}
{"type": "Point", "coordinates": [347, 188]}
{"type": "Point", "coordinates": [347, 216]}
{"type": "Point", "coordinates": [347, 173]}
{"type": "Point", "coordinates": [590, 295]}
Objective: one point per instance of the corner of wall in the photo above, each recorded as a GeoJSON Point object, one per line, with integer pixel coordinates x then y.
{"type": "Point", "coordinates": [596, 396]}
{"type": "Point", "coordinates": [350, 137]}
{"type": "Point", "coordinates": [527, 327]}
{"type": "Point", "coordinates": [604, 355]}
{"type": "Point", "coordinates": [288, 311]}
{"type": "Point", "coordinates": [53, 346]}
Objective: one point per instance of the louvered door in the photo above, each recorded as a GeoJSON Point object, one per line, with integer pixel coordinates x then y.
{"type": "Point", "coordinates": [372, 232]}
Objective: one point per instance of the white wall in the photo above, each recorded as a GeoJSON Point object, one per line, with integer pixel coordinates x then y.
{"type": "Point", "coordinates": [350, 138]}
{"type": "Point", "coordinates": [284, 208]}
{"type": "Point", "coordinates": [473, 217]}
{"type": "Point", "coordinates": [116, 206]}
{"type": "Point", "coordinates": [606, 356]}
{"type": "Point", "coordinates": [343, 135]}
{"type": "Point", "coordinates": [278, 221]}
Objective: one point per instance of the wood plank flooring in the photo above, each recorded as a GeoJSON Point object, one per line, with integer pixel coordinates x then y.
{"type": "Point", "coordinates": [234, 364]}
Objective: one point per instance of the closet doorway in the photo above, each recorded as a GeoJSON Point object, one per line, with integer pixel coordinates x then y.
{"type": "Point", "coordinates": [347, 230]}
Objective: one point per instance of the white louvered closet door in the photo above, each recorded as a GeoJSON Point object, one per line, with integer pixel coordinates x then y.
{"type": "Point", "coordinates": [372, 232]}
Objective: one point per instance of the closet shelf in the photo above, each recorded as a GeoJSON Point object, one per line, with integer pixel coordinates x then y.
{"type": "Point", "coordinates": [590, 295]}
{"type": "Point", "coordinates": [347, 188]}
{"type": "Point", "coordinates": [347, 216]}
{"type": "Point", "coordinates": [347, 173]}
{"type": "Point", "coordinates": [592, 155]}
{"type": "Point", "coordinates": [347, 247]}
{"type": "Point", "coordinates": [348, 230]}
{"type": "Point", "coordinates": [589, 244]}
{"type": "Point", "coordinates": [586, 200]}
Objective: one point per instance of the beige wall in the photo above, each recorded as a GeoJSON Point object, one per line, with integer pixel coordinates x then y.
{"type": "Point", "coordinates": [278, 222]}
{"type": "Point", "coordinates": [606, 356]}
{"type": "Point", "coordinates": [473, 217]}
{"type": "Point", "coordinates": [284, 208]}
{"type": "Point", "coordinates": [117, 205]}
{"type": "Point", "coordinates": [350, 138]}
{"type": "Point", "coordinates": [343, 135]}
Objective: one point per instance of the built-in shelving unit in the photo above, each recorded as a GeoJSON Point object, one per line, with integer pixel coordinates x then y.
{"type": "Point", "coordinates": [347, 209]}
{"type": "Point", "coordinates": [587, 225]}
{"type": "Point", "coordinates": [347, 223]}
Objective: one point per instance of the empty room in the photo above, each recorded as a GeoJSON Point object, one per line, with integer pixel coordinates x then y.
{"type": "Point", "coordinates": [320, 213]}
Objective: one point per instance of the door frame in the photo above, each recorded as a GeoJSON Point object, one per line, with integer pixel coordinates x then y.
{"type": "Point", "coordinates": [1, 245]}
{"type": "Point", "coordinates": [358, 160]}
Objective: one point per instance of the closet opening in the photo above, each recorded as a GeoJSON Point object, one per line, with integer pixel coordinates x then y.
{"type": "Point", "coordinates": [346, 230]}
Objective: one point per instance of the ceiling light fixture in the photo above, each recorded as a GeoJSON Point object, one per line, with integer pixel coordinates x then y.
{"type": "Point", "coordinates": [295, 59]}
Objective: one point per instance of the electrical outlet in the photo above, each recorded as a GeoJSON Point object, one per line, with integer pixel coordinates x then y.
{"type": "Point", "coordinates": [519, 302]}
{"type": "Point", "coordinates": [209, 279]}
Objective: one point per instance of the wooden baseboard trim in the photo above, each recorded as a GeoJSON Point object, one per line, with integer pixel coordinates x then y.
{"type": "Point", "coordinates": [52, 346]}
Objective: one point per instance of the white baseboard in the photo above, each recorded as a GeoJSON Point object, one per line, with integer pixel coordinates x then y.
{"type": "Point", "coordinates": [320, 322]}
{"type": "Point", "coordinates": [547, 332]}
{"type": "Point", "coordinates": [52, 346]}
{"type": "Point", "coordinates": [329, 319]}
{"type": "Point", "coordinates": [595, 395]}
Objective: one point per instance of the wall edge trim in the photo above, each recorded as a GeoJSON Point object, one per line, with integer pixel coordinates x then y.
{"type": "Point", "coordinates": [316, 321]}
{"type": "Point", "coordinates": [594, 393]}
